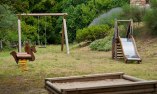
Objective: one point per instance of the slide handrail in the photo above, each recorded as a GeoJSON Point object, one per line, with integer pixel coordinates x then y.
{"type": "Point", "coordinates": [125, 58]}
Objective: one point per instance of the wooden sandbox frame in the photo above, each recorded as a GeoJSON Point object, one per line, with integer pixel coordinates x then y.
{"type": "Point", "coordinates": [131, 85]}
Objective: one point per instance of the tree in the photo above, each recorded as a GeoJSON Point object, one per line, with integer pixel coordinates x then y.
{"type": "Point", "coordinates": [7, 22]}
{"type": "Point", "coordinates": [151, 17]}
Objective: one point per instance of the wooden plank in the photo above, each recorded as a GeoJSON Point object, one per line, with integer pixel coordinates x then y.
{"type": "Point", "coordinates": [125, 58]}
{"type": "Point", "coordinates": [137, 87]}
{"type": "Point", "coordinates": [155, 86]}
{"type": "Point", "coordinates": [131, 78]}
{"type": "Point", "coordinates": [42, 14]}
{"type": "Point", "coordinates": [51, 91]}
{"type": "Point", "coordinates": [124, 20]}
{"type": "Point", "coordinates": [19, 34]}
{"type": "Point", "coordinates": [142, 91]}
{"type": "Point", "coordinates": [49, 85]}
{"type": "Point", "coordinates": [87, 77]}
{"type": "Point", "coordinates": [66, 34]}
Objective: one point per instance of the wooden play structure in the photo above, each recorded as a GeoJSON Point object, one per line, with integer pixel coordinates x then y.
{"type": "Point", "coordinates": [22, 58]}
{"type": "Point", "coordinates": [125, 47]}
{"type": "Point", "coordinates": [64, 27]}
{"type": "Point", "coordinates": [110, 83]}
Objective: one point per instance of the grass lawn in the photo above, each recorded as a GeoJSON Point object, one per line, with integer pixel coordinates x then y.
{"type": "Point", "coordinates": [51, 62]}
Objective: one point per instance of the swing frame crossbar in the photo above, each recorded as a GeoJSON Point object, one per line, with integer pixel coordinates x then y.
{"type": "Point", "coordinates": [64, 28]}
{"type": "Point", "coordinates": [42, 14]}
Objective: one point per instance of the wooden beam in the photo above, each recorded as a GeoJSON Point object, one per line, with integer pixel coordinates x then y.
{"type": "Point", "coordinates": [66, 35]}
{"type": "Point", "coordinates": [123, 20]}
{"type": "Point", "coordinates": [42, 14]}
{"type": "Point", "coordinates": [64, 32]}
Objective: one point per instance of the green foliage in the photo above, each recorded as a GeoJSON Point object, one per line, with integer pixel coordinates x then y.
{"type": "Point", "coordinates": [119, 3]}
{"type": "Point", "coordinates": [8, 25]}
{"type": "Point", "coordinates": [83, 12]}
{"type": "Point", "coordinates": [134, 12]}
{"type": "Point", "coordinates": [29, 32]}
{"type": "Point", "coordinates": [102, 44]}
{"type": "Point", "coordinates": [153, 4]}
{"type": "Point", "coordinates": [108, 17]}
{"type": "Point", "coordinates": [92, 33]}
{"type": "Point", "coordinates": [80, 15]}
{"type": "Point", "coordinates": [12, 36]}
{"type": "Point", "coordinates": [150, 17]}
{"type": "Point", "coordinates": [150, 20]}
{"type": "Point", "coordinates": [7, 18]}
{"type": "Point", "coordinates": [78, 18]}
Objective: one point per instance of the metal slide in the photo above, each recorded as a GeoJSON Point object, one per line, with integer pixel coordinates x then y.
{"type": "Point", "coordinates": [124, 47]}
{"type": "Point", "coordinates": [129, 49]}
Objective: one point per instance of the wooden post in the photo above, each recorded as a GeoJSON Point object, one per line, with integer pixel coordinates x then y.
{"type": "Point", "coordinates": [62, 45]}
{"type": "Point", "coordinates": [116, 37]}
{"type": "Point", "coordinates": [19, 33]}
{"type": "Point", "coordinates": [66, 35]}
{"type": "Point", "coordinates": [64, 32]}
{"type": "Point", "coordinates": [132, 27]}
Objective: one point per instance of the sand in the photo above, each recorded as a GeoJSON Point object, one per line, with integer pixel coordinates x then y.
{"type": "Point", "coordinates": [72, 85]}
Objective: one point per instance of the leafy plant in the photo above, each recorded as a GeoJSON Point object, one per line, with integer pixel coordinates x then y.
{"type": "Point", "coordinates": [102, 44]}
{"type": "Point", "coordinates": [151, 17]}
{"type": "Point", "coordinates": [7, 23]}
{"type": "Point", "coordinates": [133, 12]}
{"type": "Point", "coordinates": [92, 33]}
{"type": "Point", "coordinates": [108, 17]}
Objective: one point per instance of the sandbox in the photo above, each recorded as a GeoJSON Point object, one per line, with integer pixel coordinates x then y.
{"type": "Point", "coordinates": [109, 83]}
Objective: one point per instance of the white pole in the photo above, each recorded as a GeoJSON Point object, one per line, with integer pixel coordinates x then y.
{"type": "Point", "coordinates": [66, 35]}
{"type": "Point", "coordinates": [19, 33]}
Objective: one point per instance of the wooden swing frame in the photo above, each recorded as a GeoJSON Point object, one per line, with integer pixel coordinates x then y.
{"type": "Point", "coordinates": [64, 28]}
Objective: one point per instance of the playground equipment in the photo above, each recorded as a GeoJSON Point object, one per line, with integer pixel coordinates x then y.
{"type": "Point", "coordinates": [109, 83]}
{"type": "Point", "coordinates": [125, 47]}
{"type": "Point", "coordinates": [64, 29]}
{"type": "Point", "coordinates": [22, 58]}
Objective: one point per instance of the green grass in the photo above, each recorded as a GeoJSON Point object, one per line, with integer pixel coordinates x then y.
{"type": "Point", "coordinates": [51, 62]}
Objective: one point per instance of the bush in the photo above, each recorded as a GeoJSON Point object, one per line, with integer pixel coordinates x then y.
{"type": "Point", "coordinates": [151, 17]}
{"type": "Point", "coordinates": [107, 17]}
{"type": "Point", "coordinates": [134, 12]}
{"type": "Point", "coordinates": [102, 44]}
{"type": "Point", "coordinates": [92, 33]}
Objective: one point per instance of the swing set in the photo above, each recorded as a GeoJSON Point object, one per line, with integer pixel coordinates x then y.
{"type": "Point", "coordinates": [64, 29]}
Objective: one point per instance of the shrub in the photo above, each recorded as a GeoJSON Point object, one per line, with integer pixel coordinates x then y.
{"type": "Point", "coordinates": [107, 17]}
{"type": "Point", "coordinates": [134, 12]}
{"type": "Point", "coordinates": [151, 17]}
{"type": "Point", "coordinates": [92, 33]}
{"type": "Point", "coordinates": [102, 44]}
